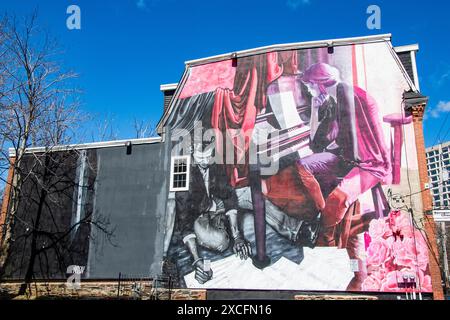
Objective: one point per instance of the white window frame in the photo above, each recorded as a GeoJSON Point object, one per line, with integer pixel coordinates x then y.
{"type": "Point", "coordinates": [172, 172]}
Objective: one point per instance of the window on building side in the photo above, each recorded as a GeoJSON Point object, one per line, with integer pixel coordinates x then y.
{"type": "Point", "coordinates": [179, 173]}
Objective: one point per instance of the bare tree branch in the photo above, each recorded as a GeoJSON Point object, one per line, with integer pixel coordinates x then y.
{"type": "Point", "coordinates": [144, 129]}
{"type": "Point", "coordinates": [39, 106]}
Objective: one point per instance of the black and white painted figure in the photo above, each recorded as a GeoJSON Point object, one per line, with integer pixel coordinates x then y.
{"type": "Point", "coordinates": [207, 214]}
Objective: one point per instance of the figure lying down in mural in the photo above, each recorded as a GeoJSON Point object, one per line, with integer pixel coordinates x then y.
{"type": "Point", "coordinates": [207, 216]}
{"type": "Point", "coordinates": [202, 212]}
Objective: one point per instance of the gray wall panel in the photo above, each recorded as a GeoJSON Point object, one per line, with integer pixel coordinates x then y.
{"type": "Point", "coordinates": [129, 189]}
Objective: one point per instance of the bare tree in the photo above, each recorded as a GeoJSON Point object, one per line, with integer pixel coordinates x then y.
{"type": "Point", "coordinates": [2, 192]}
{"type": "Point", "coordinates": [58, 182]}
{"type": "Point", "coordinates": [104, 128]}
{"type": "Point", "coordinates": [38, 107]}
{"type": "Point", "coordinates": [144, 129]}
{"type": "Point", "coordinates": [31, 85]}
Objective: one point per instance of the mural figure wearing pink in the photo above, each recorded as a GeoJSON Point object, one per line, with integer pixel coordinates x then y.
{"type": "Point", "coordinates": [348, 142]}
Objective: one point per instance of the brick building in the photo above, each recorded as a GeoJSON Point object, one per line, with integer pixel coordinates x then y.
{"type": "Point", "coordinates": [438, 160]}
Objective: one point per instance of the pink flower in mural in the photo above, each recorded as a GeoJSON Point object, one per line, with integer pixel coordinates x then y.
{"type": "Point", "coordinates": [405, 253]}
{"type": "Point", "coordinates": [400, 224]}
{"type": "Point", "coordinates": [394, 249]}
{"type": "Point", "coordinates": [425, 282]}
{"type": "Point", "coordinates": [379, 229]}
{"type": "Point", "coordinates": [372, 283]}
{"type": "Point", "coordinates": [390, 282]}
{"type": "Point", "coordinates": [422, 250]}
{"type": "Point", "coordinates": [378, 253]}
{"type": "Point", "coordinates": [389, 265]}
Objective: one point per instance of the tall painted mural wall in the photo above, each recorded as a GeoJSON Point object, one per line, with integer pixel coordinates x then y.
{"type": "Point", "coordinates": [302, 165]}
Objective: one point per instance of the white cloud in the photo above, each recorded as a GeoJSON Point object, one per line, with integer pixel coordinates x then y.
{"type": "Point", "coordinates": [141, 4]}
{"type": "Point", "coordinates": [442, 107]}
{"type": "Point", "coordinates": [148, 4]}
{"type": "Point", "coordinates": [294, 4]}
{"type": "Point", "coordinates": [443, 78]}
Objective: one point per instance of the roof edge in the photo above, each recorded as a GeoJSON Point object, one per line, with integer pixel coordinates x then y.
{"type": "Point", "coordinates": [291, 46]}
{"type": "Point", "coordinates": [436, 147]}
{"type": "Point", "coordinates": [168, 86]}
{"type": "Point", "coordinates": [406, 48]}
{"type": "Point", "coordinates": [91, 145]}
{"type": "Point", "coordinates": [280, 47]}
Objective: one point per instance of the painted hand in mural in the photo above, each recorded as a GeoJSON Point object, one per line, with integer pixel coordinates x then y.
{"type": "Point", "coordinates": [242, 248]}
{"type": "Point", "coordinates": [202, 274]}
{"type": "Point", "coordinates": [318, 101]}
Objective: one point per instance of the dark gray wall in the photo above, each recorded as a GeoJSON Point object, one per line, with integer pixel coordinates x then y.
{"type": "Point", "coordinates": [131, 191]}
{"type": "Point", "coordinates": [168, 95]}
{"type": "Point", "coordinates": [405, 58]}
{"type": "Point", "coordinates": [290, 295]}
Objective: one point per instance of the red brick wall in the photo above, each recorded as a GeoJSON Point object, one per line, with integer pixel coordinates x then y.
{"type": "Point", "coordinates": [427, 202]}
{"type": "Point", "coordinates": [6, 196]}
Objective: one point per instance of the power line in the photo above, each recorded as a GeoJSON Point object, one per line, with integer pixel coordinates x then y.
{"type": "Point", "coordinates": [424, 190]}
{"type": "Point", "coordinates": [445, 136]}
{"type": "Point", "coordinates": [440, 130]}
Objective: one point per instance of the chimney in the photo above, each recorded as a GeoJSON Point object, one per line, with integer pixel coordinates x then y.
{"type": "Point", "coordinates": [407, 56]}
{"type": "Point", "coordinates": [168, 91]}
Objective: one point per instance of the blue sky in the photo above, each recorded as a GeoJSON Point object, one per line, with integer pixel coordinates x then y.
{"type": "Point", "coordinates": [126, 49]}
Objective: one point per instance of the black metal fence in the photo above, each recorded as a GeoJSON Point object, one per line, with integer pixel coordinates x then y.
{"type": "Point", "coordinates": [158, 287]}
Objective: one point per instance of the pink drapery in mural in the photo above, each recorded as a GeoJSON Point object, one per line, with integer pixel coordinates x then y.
{"type": "Point", "coordinates": [374, 161]}
{"type": "Point", "coordinates": [208, 77]}
{"type": "Point", "coordinates": [238, 108]}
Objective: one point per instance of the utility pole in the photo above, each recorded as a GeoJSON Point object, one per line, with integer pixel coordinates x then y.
{"type": "Point", "coordinates": [444, 253]}
{"type": "Point", "coordinates": [443, 182]}
{"type": "Point", "coordinates": [441, 176]}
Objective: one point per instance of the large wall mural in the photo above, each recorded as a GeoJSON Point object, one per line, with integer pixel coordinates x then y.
{"type": "Point", "coordinates": [295, 156]}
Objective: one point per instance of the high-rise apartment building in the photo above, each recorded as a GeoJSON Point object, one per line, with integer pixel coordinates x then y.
{"type": "Point", "coordinates": [438, 165]}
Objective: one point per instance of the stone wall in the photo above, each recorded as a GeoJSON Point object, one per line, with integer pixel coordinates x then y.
{"type": "Point", "coordinates": [334, 297]}
{"type": "Point", "coordinates": [98, 290]}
